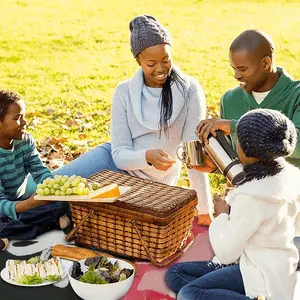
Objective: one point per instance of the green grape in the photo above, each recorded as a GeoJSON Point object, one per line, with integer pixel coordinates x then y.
{"type": "Point", "coordinates": [52, 191]}
{"type": "Point", "coordinates": [56, 186]}
{"type": "Point", "coordinates": [57, 193]}
{"type": "Point", "coordinates": [46, 191]}
{"type": "Point", "coordinates": [65, 178]}
{"type": "Point", "coordinates": [47, 180]}
{"type": "Point", "coordinates": [57, 178]}
{"type": "Point", "coordinates": [40, 186]}
{"type": "Point", "coordinates": [95, 186]}
{"type": "Point", "coordinates": [62, 188]}
{"type": "Point", "coordinates": [50, 185]}
{"type": "Point", "coordinates": [72, 177]}
{"type": "Point", "coordinates": [84, 181]}
{"type": "Point", "coordinates": [75, 190]}
{"type": "Point", "coordinates": [79, 191]}
{"type": "Point", "coordinates": [62, 193]}
{"type": "Point", "coordinates": [81, 185]}
{"type": "Point", "coordinates": [67, 185]}
{"type": "Point", "coordinates": [69, 191]}
{"type": "Point", "coordinates": [86, 191]}
{"type": "Point", "coordinates": [40, 191]}
{"type": "Point", "coordinates": [74, 183]}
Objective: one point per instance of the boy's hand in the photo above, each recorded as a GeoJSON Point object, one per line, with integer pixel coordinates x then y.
{"type": "Point", "coordinates": [159, 159]}
{"type": "Point", "coordinates": [29, 203]}
{"type": "Point", "coordinates": [36, 203]}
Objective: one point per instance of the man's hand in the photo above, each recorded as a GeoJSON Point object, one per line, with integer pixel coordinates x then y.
{"type": "Point", "coordinates": [205, 127]}
{"type": "Point", "coordinates": [220, 206]}
{"type": "Point", "coordinates": [159, 159]}
{"type": "Point", "coordinates": [29, 203]}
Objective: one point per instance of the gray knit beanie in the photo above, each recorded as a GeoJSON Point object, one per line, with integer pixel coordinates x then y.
{"type": "Point", "coordinates": [266, 134]}
{"type": "Point", "coordinates": [146, 31]}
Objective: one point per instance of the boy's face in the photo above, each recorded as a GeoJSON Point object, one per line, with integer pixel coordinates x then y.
{"type": "Point", "coordinates": [14, 124]}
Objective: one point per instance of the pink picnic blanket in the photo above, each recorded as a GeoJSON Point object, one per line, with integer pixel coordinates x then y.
{"type": "Point", "coordinates": [149, 284]}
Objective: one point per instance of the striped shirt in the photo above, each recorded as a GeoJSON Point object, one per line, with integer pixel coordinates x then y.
{"type": "Point", "coordinates": [15, 165]}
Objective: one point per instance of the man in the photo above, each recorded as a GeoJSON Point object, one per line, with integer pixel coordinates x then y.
{"type": "Point", "coordinates": [262, 85]}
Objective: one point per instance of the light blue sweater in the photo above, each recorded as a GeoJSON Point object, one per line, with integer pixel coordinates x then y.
{"type": "Point", "coordinates": [135, 129]}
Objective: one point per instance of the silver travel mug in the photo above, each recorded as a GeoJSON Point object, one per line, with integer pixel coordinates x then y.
{"type": "Point", "coordinates": [193, 153]}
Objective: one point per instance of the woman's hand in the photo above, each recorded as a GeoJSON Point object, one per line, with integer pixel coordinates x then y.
{"type": "Point", "coordinates": [159, 159]}
{"type": "Point", "coordinates": [205, 127]}
{"type": "Point", "coordinates": [220, 206]}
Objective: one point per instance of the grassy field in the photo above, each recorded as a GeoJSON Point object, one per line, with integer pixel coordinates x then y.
{"type": "Point", "coordinates": [66, 56]}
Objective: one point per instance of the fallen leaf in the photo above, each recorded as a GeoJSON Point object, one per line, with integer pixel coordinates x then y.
{"type": "Point", "coordinates": [50, 111]}
{"type": "Point", "coordinates": [79, 143]}
{"type": "Point", "coordinates": [79, 115]}
{"type": "Point", "coordinates": [56, 163]}
{"type": "Point", "coordinates": [70, 123]}
{"type": "Point", "coordinates": [83, 136]}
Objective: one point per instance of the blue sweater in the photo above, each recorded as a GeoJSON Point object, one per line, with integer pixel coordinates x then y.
{"type": "Point", "coordinates": [15, 165]}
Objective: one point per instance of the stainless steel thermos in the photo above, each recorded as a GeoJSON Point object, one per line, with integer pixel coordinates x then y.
{"type": "Point", "coordinates": [221, 152]}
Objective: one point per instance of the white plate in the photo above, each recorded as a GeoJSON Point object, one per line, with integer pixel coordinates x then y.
{"type": "Point", "coordinates": [4, 276]}
{"type": "Point", "coordinates": [77, 198]}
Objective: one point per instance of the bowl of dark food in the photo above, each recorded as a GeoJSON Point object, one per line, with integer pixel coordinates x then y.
{"type": "Point", "coordinates": [101, 278]}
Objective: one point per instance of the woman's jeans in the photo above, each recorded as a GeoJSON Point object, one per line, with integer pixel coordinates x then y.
{"type": "Point", "coordinates": [205, 280]}
{"type": "Point", "coordinates": [94, 161]}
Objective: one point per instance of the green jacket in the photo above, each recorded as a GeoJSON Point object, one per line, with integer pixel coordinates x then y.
{"type": "Point", "coordinates": [284, 96]}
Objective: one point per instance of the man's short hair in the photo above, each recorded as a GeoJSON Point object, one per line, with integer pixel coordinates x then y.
{"type": "Point", "coordinates": [254, 41]}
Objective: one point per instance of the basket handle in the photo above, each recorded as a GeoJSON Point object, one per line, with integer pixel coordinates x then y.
{"type": "Point", "coordinates": [168, 260]}
{"type": "Point", "coordinates": [70, 236]}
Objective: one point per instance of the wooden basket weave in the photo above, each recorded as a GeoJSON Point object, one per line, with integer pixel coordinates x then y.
{"type": "Point", "coordinates": [151, 221]}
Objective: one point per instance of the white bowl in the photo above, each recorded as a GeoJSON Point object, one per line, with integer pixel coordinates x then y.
{"type": "Point", "coordinates": [110, 291]}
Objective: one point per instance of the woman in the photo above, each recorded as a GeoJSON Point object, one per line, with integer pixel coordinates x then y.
{"type": "Point", "coordinates": [152, 114]}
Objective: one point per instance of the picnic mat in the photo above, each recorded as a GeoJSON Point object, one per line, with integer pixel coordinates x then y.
{"type": "Point", "coordinates": [148, 284]}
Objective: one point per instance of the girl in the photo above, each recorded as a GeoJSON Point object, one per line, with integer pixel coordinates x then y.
{"type": "Point", "coordinates": [253, 243]}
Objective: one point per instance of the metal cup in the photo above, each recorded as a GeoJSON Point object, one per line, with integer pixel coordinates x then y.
{"type": "Point", "coordinates": [193, 153]}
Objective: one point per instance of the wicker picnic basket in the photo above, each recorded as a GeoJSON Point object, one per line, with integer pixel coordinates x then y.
{"type": "Point", "coordinates": [151, 221]}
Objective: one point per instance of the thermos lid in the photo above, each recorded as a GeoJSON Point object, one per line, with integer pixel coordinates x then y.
{"type": "Point", "coordinates": [238, 179]}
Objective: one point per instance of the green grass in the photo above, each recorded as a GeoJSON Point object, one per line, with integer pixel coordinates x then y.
{"type": "Point", "coordinates": [70, 54]}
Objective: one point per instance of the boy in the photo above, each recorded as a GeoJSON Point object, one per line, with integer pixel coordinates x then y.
{"type": "Point", "coordinates": [22, 217]}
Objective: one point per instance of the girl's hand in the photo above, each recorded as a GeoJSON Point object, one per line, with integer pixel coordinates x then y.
{"type": "Point", "coordinates": [220, 206]}
{"type": "Point", "coordinates": [159, 159]}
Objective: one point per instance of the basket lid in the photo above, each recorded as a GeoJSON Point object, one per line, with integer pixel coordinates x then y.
{"type": "Point", "coordinates": [146, 196]}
